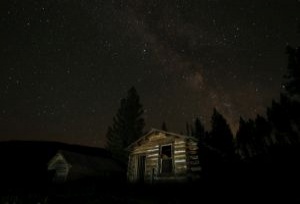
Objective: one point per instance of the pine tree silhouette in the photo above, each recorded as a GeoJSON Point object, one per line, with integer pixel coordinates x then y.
{"type": "Point", "coordinates": [220, 136]}
{"type": "Point", "coordinates": [127, 125]}
{"type": "Point", "coordinates": [292, 85]}
{"type": "Point", "coordinates": [164, 126]}
{"type": "Point", "coordinates": [199, 131]}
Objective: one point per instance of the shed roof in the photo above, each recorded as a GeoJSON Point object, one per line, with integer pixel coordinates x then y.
{"type": "Point", "coordinates": [91, 162]}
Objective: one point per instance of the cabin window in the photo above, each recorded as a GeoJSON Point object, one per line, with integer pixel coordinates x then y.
{"type": "Point", "coordinates": [166, 159]}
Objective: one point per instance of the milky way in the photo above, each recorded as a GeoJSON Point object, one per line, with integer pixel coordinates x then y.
{"type": "Point", "coordinates": [66, 64]}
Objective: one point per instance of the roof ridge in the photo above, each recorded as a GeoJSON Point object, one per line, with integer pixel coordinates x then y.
{"type": "Point", "coordinates": [159, 130]}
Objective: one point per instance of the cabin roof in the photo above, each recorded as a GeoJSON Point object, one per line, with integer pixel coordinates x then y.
{"type": "Point", "coordinates": [88, 161]}
{"type": "Point", "coordinates": [154, 130]}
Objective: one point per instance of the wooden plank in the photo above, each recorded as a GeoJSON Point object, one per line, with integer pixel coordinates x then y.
{"type": "Point", "coordinates": [146, 148]}
{"type": "Point", "coordinates": [152, 150]}
{"type": "Point", "coordinates": [178, 156]}
{"type": "Point", "coordinates": [152, 158]}
{"type": "Point", "coordinates": [180, 161]}
{"type": "Point", "coordinates": [156, 142]}
{"type": "Point", "coordinates": [179, 148]}
{"type": "Point", "coordinates": [155, 137]}
{"type": "Point", "coordinates": [180, 140]}
{"type": "Point", "coordinates": [193, 157]}
{"type": "Point", "coordinates": [179, 151]}
{"type": "Point", "coordinates": [152, 155]}
{"type": "Point", "coordinates": [152, 163]}
{"type": "Point", "coordinates": [148, 144]}
{"type": "Point", "coordinates": [179, 144]}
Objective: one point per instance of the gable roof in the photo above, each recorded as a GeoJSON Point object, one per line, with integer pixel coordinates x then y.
{"type": "Point", "coordinates": [91, 162]}
{"type": "Point", "coordinates": [154, 130]}
{"type": "Point", "coordinates": [54, 159]}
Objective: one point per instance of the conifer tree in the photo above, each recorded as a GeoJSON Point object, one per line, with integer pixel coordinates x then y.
{"type": "Point", "coordinates": [292, 85]}
{"type": "Point", "coordinates": [115, 144]}
{"type": "Point", "coordinates": [199, 131]}
{"type": "Point", "coordinates": [220, 136]}
{"type": "Point", "coordinates": [164, 126]}
{"type": "Point", "coordinates": [245, 138]}
{"type": "Point", "coordinates": [292, 88]}
{"type": "Point", "coordinates": [127, 125]}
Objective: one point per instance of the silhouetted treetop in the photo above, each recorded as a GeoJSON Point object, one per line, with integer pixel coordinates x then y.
{"type": "Point", "coordinates": [164, 126]}
{"type": "Point", "coordinates": [199, 131]}
{"type": "Point", "coordinates": [127, 125]}
{"type": "Point", "coordinates": [220, 135]}
{"type": "Point", "coordinates": [292, 86]}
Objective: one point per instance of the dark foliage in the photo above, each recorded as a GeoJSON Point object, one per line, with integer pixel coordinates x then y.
{"type": "Point", "coordinates": [220, 136]}
{"type": "Point", "coordinates": [199, 131]}
{"type": "Point", "coordinates": [266, 166]}
{"type": "Point", "coordinates": [164, 126]}
{"type": "Point", "coordinates": [127, 125]}
{"type": "Point", "coordinates": [293, 75]}
{"type": "Point", "coordinates": [253, 136]}
{"type": "Point", "coordinates": [269, 147]}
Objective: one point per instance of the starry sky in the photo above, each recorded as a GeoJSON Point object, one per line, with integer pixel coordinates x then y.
{"type": "Point", "coordinates": [65, 64]}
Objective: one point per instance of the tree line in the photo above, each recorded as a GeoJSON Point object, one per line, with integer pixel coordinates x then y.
{"type": "Point", "coordinates": [261, 137]}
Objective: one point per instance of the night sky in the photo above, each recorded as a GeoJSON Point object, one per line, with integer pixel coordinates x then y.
{"type": "Point", "coordinates": [65, 64]}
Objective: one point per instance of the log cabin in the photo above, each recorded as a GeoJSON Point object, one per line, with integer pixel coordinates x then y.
{"type": "Point", "coordinates": [160, 156]}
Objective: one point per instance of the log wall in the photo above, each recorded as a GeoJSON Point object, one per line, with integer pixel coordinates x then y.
{"type": "Point", "coordinates": [183, 157]}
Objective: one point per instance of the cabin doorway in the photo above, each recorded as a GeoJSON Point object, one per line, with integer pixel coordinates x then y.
{"type": "Point", "coordinates": [141, 168]}
{"type": "Point", "coordinates": [166, 160]}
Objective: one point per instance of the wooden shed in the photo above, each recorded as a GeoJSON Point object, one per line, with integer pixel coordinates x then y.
{"type": "Point", "coordinates": [161, 156]}
{"type": "Point", "coordinates": [71, 166]}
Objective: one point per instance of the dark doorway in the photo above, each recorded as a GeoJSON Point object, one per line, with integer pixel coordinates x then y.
{"type": "Point", "coordinates": [141, 168]}
{"type": "Point", "coordinates": [166, 159]}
